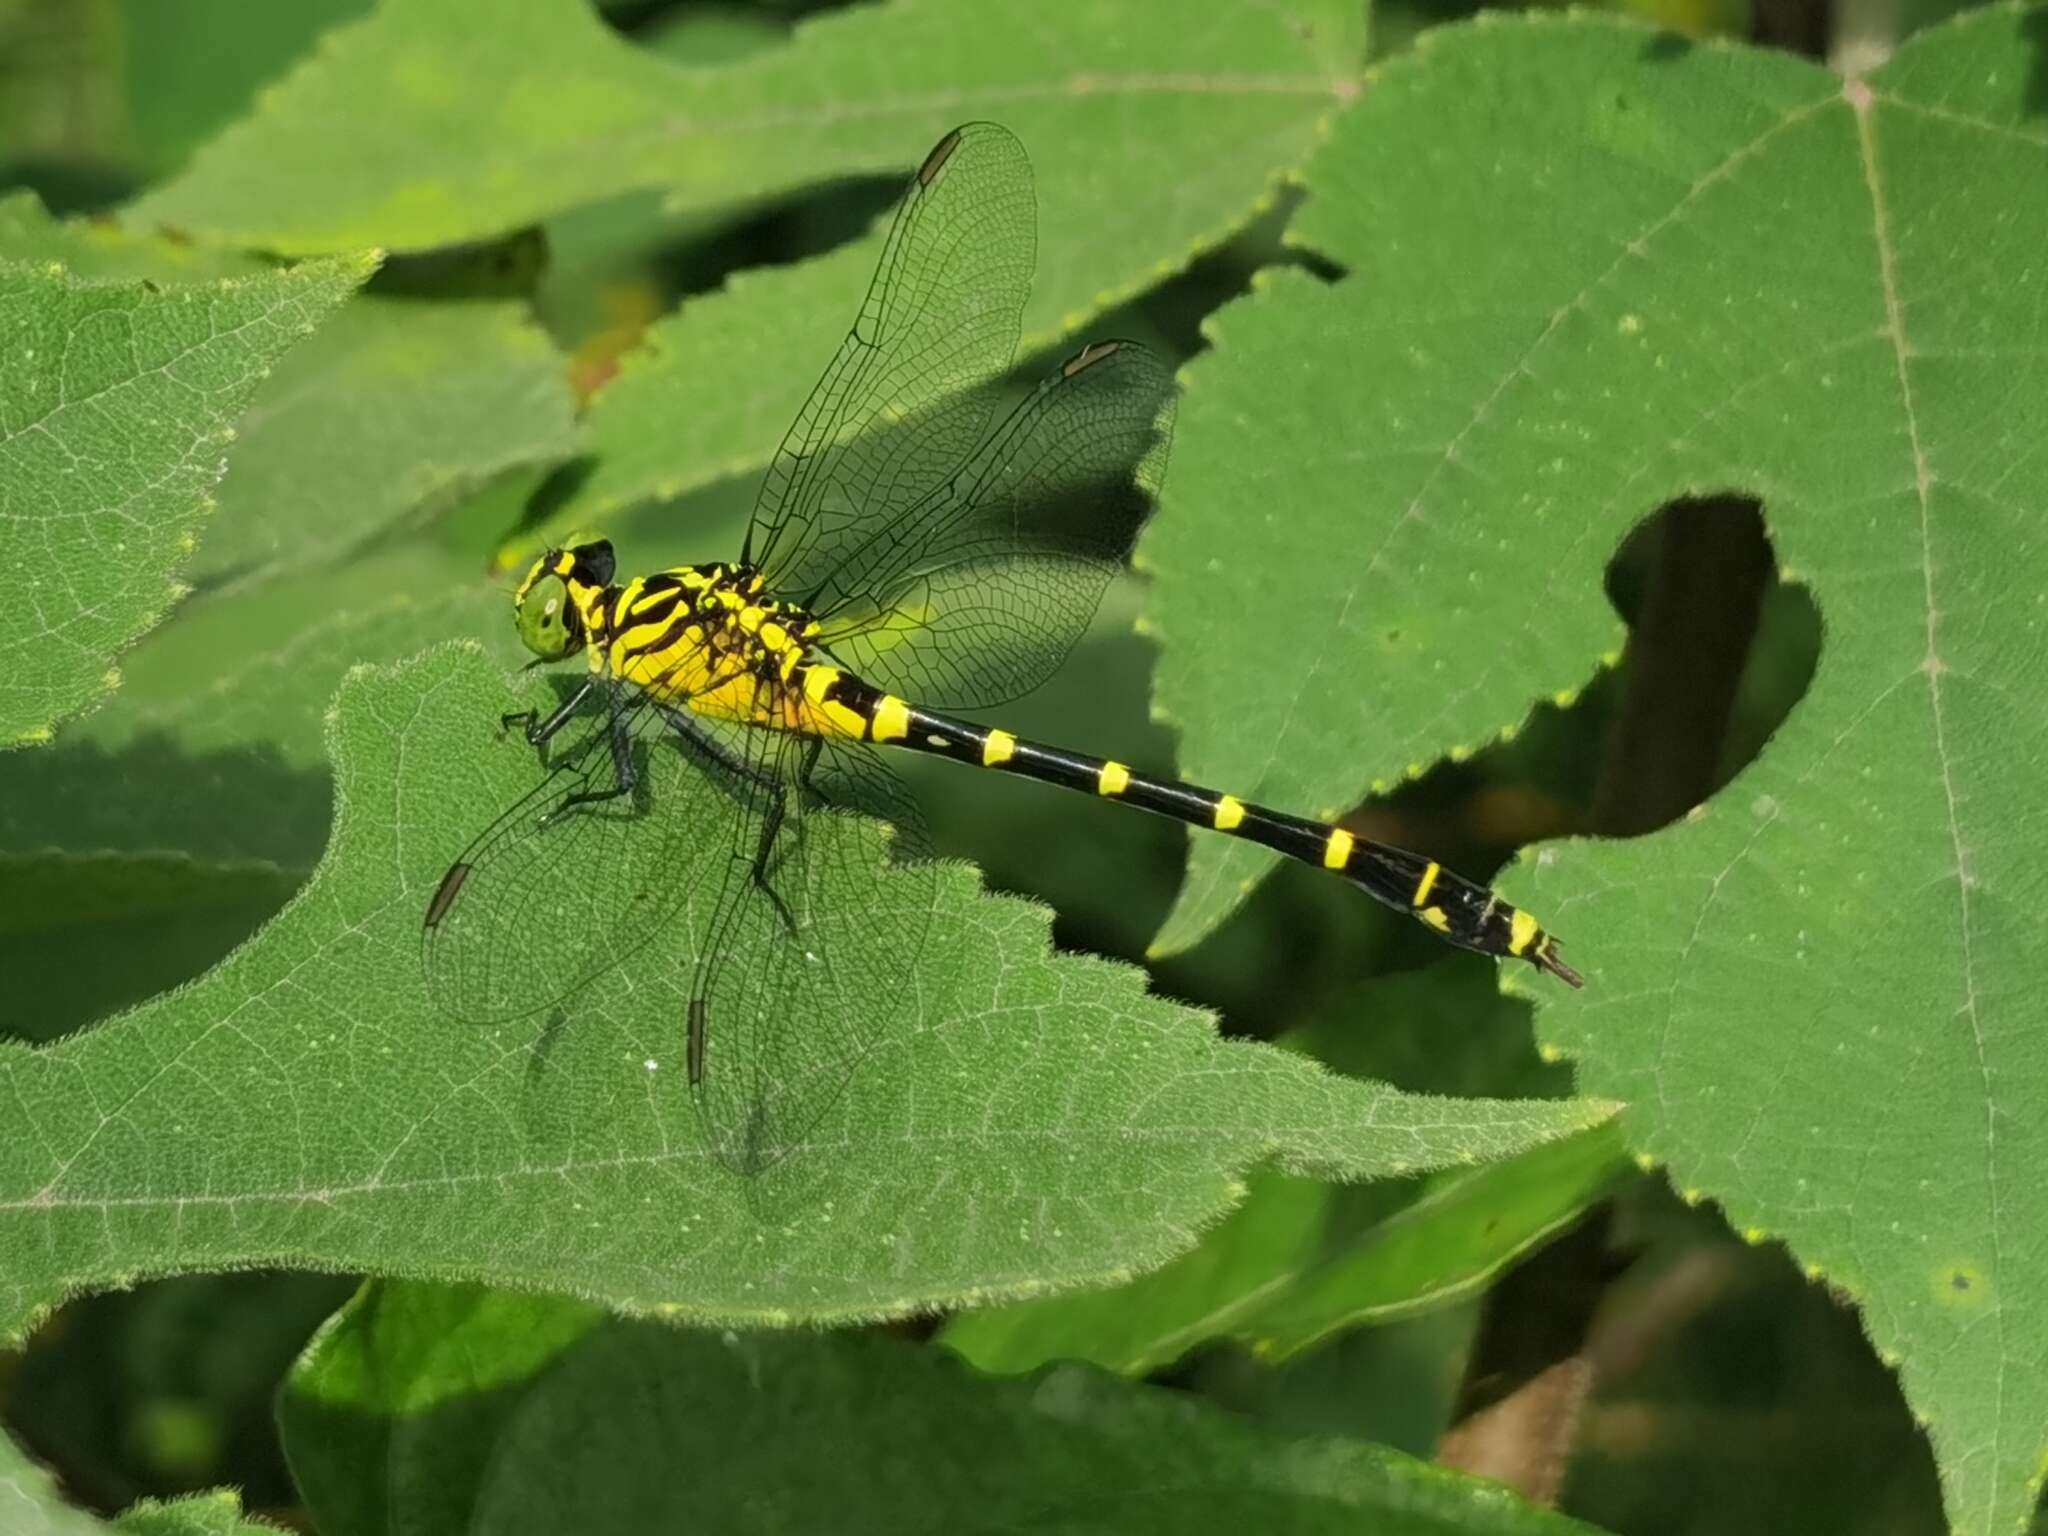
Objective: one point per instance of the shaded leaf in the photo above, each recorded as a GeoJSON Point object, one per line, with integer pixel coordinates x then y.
{"type": "Point", "coordinates": [1819, 994]}
{"type": "Point", "coordinates": [399, 403]}
{"type": "Point", "coordinates": [432, 1408]}
{"type": "Point", "coordinates": [83, 935]}
{"type": "Point", "coordinates": [1024, 1120]}
{"type": "Point", "coordinates": [114, 417]}
{"type": "Point", "coordinates": [1109, 222]}
{"type": "Point", "coordinates": [168, 1386]}
{"type": "Point", "coordinates": [214, 745]}
{"type": "Point", "coordinates": [261, 665]}
{"type": "Point", "coordinates": [190, 69]}
{"type": "Point", "coordinates": [394, 1415]}
{"type": "Point", "coordinates": [98, 97]}
{"type": "Point", "coordinates": [153, 794]}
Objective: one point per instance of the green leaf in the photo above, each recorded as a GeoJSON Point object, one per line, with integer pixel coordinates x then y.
{"type": "Point", "coordinates": [191, 69]}
{"type": "Point", "coordinates": [30, 1502]}
{"type": "Point", "coordinates": [84, 935]}
{"type": "Point", "coordinates": [216, 1513]}
{"type": "Point", "coordinates": [1213, 1292]}
{"type": "Point", "coordinates": [1464, 1231]}
{"type": "Point", "coordinates": [431, 1408]}
{"type": "Point", "coordinates": [1274, 1277]}
{"type": "Point", "coordinates": [1110, 223]}
{"type": "Point", "coordinates": [1023, 1120]}
{"type": "Point", "coordinates": [31, 1506]}
{"type": "Point", "coordinates": [402, 401]}
{"type": "Point", "coordinates": [261, 666]}
{"type": "Point", "coordinates": [1300, 1259]}
{"type": "Point", "coordinates": [215, 744]}
{"type": "Point", "coordinates": [398, 404]}
{"type": "Point", "coordinates": [101, 249]}
{"type": "Point", "coordinates": [571, 114]}
{"type": "Point", "coordinates": [102, 96]}
{"type": "Point", "coordinates": [113, 417]}
{"type": "Point", "coordinates": [611, 270]}
{"type": "Point", "coordinates": [1819, 994]}
{"type": "Point", "coordinates": [480, 130]}
{"type": "Point", "coordinates": [395, 1411]}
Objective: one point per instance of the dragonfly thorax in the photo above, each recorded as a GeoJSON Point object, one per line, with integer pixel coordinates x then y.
{"type": "Point", "coordinates": [704, 637]}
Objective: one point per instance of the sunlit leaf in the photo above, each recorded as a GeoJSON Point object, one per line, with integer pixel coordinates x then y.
{"type": "Point", "coordinates": [1819, 995]}
{"type": "Point", "coordinates": [1023, 1120]}
{"type": "Point", "coordinates": [115, 415]}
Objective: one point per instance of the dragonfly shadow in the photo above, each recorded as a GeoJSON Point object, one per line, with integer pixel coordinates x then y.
{"type": "Point", "coordinates": [540, 1058]}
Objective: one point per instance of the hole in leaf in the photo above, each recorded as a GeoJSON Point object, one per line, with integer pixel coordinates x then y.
{"type": "Point", "coordinates": [1720, 649]}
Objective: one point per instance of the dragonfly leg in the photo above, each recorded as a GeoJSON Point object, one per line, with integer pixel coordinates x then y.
{"type": "Point", "coordinates": [771, 824]}
{"type": "Point", "coordinates": [692, 730]}
{"type": "Point", "coordinates": [771, 827]}
{"type": "Point", "coordinates": [624, 774]}
{"type": "Point", "coordinates": [539, 732]}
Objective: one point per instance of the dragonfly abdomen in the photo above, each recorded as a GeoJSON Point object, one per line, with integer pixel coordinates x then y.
{"type": "Point", "coordinates": [1463, 912]}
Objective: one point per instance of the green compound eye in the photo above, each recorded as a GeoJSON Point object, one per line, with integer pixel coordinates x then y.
{"type": "Point", "coordinates": [545, 619]}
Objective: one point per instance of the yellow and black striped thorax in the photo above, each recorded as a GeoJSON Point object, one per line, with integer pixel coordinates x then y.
{"type": "Point", "coordinates": [709, 638]}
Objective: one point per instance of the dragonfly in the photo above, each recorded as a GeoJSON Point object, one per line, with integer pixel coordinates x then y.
{"type": "Point", "coordinates": [922, 542]}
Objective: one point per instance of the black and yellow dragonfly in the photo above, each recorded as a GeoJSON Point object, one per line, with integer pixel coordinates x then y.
{"type": "Point", "coordinates": [916, 547]}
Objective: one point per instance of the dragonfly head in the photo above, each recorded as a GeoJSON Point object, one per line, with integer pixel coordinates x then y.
{"type": "Point", "coordinates": [549, 604]}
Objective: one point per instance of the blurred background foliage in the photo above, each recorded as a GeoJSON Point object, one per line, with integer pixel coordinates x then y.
{"type": "Point", "coordinates": [1705, 1385]}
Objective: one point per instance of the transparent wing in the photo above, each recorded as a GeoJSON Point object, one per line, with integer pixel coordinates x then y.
{"type": "Point", "coordinates": [797, 971]}
{"type": "Point", "coordinates": [976, 594]}
{"type": "Point", "coordinates": [547, 898]}
{"type": "Point", "coordinates": [810, 964]}
{"type": "Point", "coordinates": [898, 408]}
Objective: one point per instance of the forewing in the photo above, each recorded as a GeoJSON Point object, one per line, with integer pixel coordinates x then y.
{"type": "Point", "coordinates": [899, 406]}
{"type": "Point", "coordinates": [978, 593]}
{"type": "Point", "coordinates": [798, 988]}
